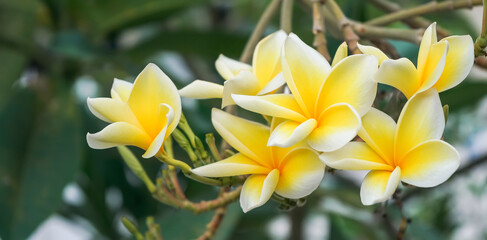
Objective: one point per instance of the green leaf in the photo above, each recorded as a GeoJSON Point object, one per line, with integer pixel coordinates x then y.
{"type": "Point", "coordinates": [16, 123]}
{"type": "Point", "coordinates": [17, 22]}
{"type": "Point", "coordinates": [113, 15]}
{"type": "Point", "coordinates": [209, 43]}
{"type": "Point", "coordinates": [52, 158]}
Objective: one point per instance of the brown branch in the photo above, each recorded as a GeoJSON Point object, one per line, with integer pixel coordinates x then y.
{"type": "Point", "coordinates": [213, 225]}
{"type": "Point", "coordinates": [345, 26]}
{"type": "Point", "coordinates": [319, 29]}
{"type": "Point", "coordinates": [429, 7]}
{"type": "Point", "coordinates": [481, 41]}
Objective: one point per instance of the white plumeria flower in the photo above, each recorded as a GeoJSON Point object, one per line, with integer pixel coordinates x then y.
{"type": "Point", "coordinates": [261, 78]}
{"type": "Point", "coordinates": [326, 103]}
{"type": "Point", "coordinates": [441, 65]}
{"type": "Point", "coordinates": [411, 152]}
{"type": "Point", "coordinates": [290, 172]}
{"type": "Point", "coordinates": [141, 114]}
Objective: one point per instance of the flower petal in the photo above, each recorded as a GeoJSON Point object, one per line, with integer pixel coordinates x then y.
{"type": "Point", "coordinates": [459, 61]}
{"type": "Point", "coordinates": [249, 138]}
{"type": "Point", "coordinates": [166, 115]}
{"type": "Point", "coordinates": [340, 54]}
{"type": "Point", "coordinates": [400, 74]}
{"type": "Point", "coordinates": [266, 61]}
{"type": "Point", "coordinates": [434, 66]}
{"type": "Point", "coordinates": [235, 165]}
{"type": "Point", "coordinates": [355, 156]}
{"type": "Point", "coordinates": [202, 90]}
{"type": "Point", "coordinates": [421, 120]}
{"type": "Point", "coordinates": [350, 81]}
{"type": "Point", "coordinates": [429, 38]}
{"type": "Point", "coordinates": [429, 164]}
{"type": "Point", "coordinates": [301, 172]}
{"type": "Point", "coordinates": [373, 51]}
{"type": "Point", "coordinates": [304, 69]}
{"type": "Point", "coordinates": [274, 84]}
{"type": "Point", "coordinates": [337, 126]}
{"type": "Point", "coordinates": [276, 105]}
{"type": "Point", "coordinates": [121, 90]}
{"type": "Point", "coordinates": [118, 134]}
{"type": "Point", "coordinates": [229, 68]}
{"type": "Point", "coordinates": [244, 83]}
{"type": "Point", "coordinates": [111, 110]}
{"type": "Point", "coordinates": [289, 133]}
{"type": "Point", "coordinates": [378, 131]}
{"type": "Point", "coordinates": [151, 88]}
{"type": "Point", "coordinates": [379, 185]}
{"type": "Point", "coordinates": [257, 190]}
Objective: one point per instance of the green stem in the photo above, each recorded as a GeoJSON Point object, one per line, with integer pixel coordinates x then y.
{"type": "Point", "coordinates": [287, 15]}
{"type": "Point", "coordinates": [259, 30]}
{"type": "Point", "coordinates": [186, 169]}
{"type": "Point", "coordinates": [430, 7]}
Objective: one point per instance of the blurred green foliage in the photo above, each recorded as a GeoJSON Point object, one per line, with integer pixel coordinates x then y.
{"type": "Point", "coordinates": [46, 46]}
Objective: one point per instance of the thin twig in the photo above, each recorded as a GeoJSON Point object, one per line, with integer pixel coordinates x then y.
{"type": "Point", "coordinates": [213, 225]}
{"type": "Point", "coordinates": [415, 22]}
{"type": "Point", "coordinates": [374, 32]}
{"type": "Point", "coordinates": [259, 30]}
{"type": "Point", "coordinates": [319, 29]}
{"type": "Point", "coordinates": [429, 7]}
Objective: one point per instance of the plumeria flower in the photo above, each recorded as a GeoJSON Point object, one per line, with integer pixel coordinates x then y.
{"type": "Point", "coordinates": [141, 114]}
{"type": "Point", "coordinates": [326, 103]}
{"type": "Point", "coordinates": [261, 78]}
{"type": "Point", "coordinates": [290, 172]}
{"type": "Point", "coordinates": [410, 151]}
{"type": "Point", "coordinates": [441, 65]}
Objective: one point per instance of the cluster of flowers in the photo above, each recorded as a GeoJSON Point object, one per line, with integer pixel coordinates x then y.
{"type": "Point", "coordinates": [313, 124]}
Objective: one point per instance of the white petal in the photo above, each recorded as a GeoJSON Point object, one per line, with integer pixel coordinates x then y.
{"type": "Point", "coordinates": [355, 156]}
{"type": "Point", "coordinates": [266, 60]}
{"type": "Point", "coordinates": [379, 185]}
{"type": "Point", "coordinates": [301, 173]}
{"type": "Point", "coordinates": [202, 90]}
{"type": "Point", "coordinates": [118, 134]}
{"type": "Point", "coordinates": [121, 90]}
{"type": "Point", "coordinates": [235, 165]}
{"type": "Point", "coordinates": [276, 105]}
{"type": "Point", "coordinates": [166, 113]}
{"type": "Point", "coordinates": [274, 84]}
{"type": "Point", "coordinates": [373, 51]}
{"type": "Point", "coordinates": [244, 83]}
{"type": "Point", "coordinates": [421, 120]}
{"type": "Point", "coordinates": [289, 133]}
{"type": "Point", "coordinates": [429, 164]}
{"type": "Point", "coordinates": [229, 68]}
{"type": "Point", "coordinates": [257, 190]}
{"type": "Point", "coordinates": [337, 126]}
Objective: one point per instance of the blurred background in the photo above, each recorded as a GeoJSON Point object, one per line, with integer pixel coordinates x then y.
{"type": "Point", "coordinates": [54, 54]}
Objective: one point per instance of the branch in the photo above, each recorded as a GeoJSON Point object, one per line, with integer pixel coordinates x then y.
{"type": "Point", "coordinates": [344, 25]}
{"type": "Point", "coordinates": [481, 41]}
{"type": "Point", "coordinates": [415, 22]}
{"type": "Point", "coordinates": [213, 225]}
{"type": "Point", "coordinates": [287, 15]}
{"type": "Point", "coordinates": [430, 7]}
{"type": "Point", "coordinates": [374, 32]}
{"type": "Point", "coordinates": [319, 29]}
